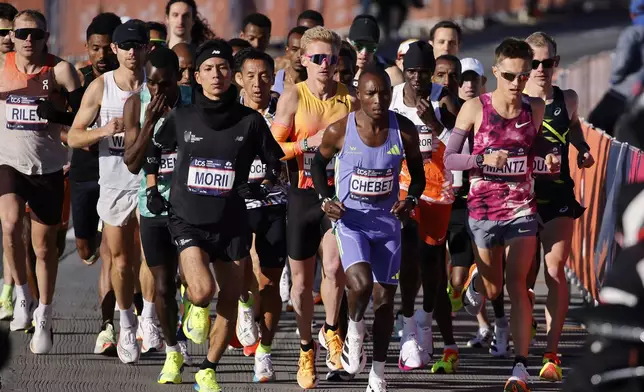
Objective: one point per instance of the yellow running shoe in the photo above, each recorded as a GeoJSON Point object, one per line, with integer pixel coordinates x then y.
{"type": "Point", "coordinates": [448, 364]}
{"type": "Point", "coordinates": [455, 297]}
{"type": "Point", "coordinates": [196, 325]}
{"type": "Point", "coordinates": [6, 309]}
{"type": "Point", "coordinates": [333, 343]}
{"type": "Point", "coordinates": [171, 372]}
{"type": "Point", "coordinates": [551, 370]}
{"type": "Point", "coordinates": [307, 375]}
{"type": "Point", "coordinates": [206, 381]}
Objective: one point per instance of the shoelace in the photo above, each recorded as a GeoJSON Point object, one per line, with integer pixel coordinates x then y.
{"type": "Point", "coordinates": [129, 337]}
{"type": "Point", "coordinates": [265, 363]}
{"type": "Point", "coordinates": [306, 361]}
{"type": "Point", "coordinates": [380, 385]}
{"type": "Point", "coordinates": [334, 345]}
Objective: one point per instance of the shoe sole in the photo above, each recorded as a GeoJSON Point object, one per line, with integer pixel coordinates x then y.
{"type": "Point", "coordinates": [175, 381]}
{"type": "Point", "coordinates": [262, 380]}
{"type": "Point", "coordinates": [550, 375]}
{"type": "Point", "coordinates": [516, 386]}
{"type": "Point", "coordinates": [108, 349]}
{"type": "Point", "coordinates": [406, 368]}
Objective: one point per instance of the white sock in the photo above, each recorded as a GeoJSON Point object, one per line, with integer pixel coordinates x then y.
{"type": "Point", "coordinates": [172, 349]}
{"type": "Point", "coordinates": [23, 292]}
{"type": "Point", "coordinates": [377, 370]}
{"type": "Point", "coordinates": [356, 328]}
{"type": "Point", "coordinates": [501, 322]}
{"type": "Point", "coordinates": [424, 319]}
{"type": "Point", "coordinates": [409, 325]}
{"type": "Point", "coordinates": [149, 310]}
{"type": "Point", "coordinates": [44, 309]}
{"type": "Point", "coordinates": [128, 319]}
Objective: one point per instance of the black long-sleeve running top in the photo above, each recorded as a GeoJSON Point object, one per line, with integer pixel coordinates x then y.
{"type": "Point", "coordinates": [216, 143]}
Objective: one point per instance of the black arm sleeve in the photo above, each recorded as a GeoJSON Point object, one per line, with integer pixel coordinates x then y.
{"type": "Point", "coordinates": [166, 137]}
{"type": "Point", "coordinates": [75, 98]}
{"type": "Point", "coordinates": [577, 140]}
{"type": "Point", "coordinates": [152, 159]}
{"type": "Point", "coordinates": [417, 183]}
{"type": "Point", "coordinates": [269, 150]}
{"type": "Point", "coordinates": [47, 111]}
{"type": "Point", "coordinates": [318, 174]}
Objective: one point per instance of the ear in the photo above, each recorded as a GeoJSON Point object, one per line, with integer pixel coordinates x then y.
{"type": "Point", "coordinates": [197, 77]}
{"type": "Point", "coordinates": [484, 80]}
{"type": "Point", "coordinates": [557, 59]}
{"type": "Point", "coordinates": [12, 35]}
{"type": "Point", "coordinates": [115, 48]}
{"type": "Point", "coordinates": [238, 78]}
{"type": "Point", "coordinates": [305, 61]}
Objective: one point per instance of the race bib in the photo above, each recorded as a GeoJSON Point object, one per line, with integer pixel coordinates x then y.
{"type": "Point", "coordinates": [371, 185]}
{"type": "Point", "coordinates": [21, 114]}
{"type": "Point", "coordinates": [539, 167]}
{"type": "Point", "coordinates": [257, 171]}
{"type": "Point", "coordinates": [308, 162]}
{"type": "Point", "coordinates": [514, 170]}
{"type": "Point", "coordinates": [212, 177]}
{"type": "Point", "coordinates": [425, 136]}
{"type": "Point", "coordinates": [167, 164]}
{"type": "Point", "coordinates": [117, 144]}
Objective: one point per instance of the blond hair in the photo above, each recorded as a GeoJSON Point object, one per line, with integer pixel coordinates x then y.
{"type": "Point", "coordinates": [321, 34]}
{"type": "Point", "coordinates": [541, 40]}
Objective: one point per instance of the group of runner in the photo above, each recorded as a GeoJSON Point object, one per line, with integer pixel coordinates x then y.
{"type": "Point", "coordinates": [188, 150]}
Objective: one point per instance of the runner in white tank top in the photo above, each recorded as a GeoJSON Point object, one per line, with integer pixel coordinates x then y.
{"type": "Point", "coordinates": [106, 97]}
{"type": "Point", "coordinates": [31, 164]}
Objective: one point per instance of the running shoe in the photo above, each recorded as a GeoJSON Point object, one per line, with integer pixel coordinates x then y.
{"type": "Point", "coordinates": [172, 369]}
{"type": "Point", "coordinates": [234, 343]}
{"type": "Point", "coordinates": [483, 338]}
{"type": "Point", "coordinates": [183, 347]}
{"type": "Point", "coordinates": [500, 346]}
{"type": "Point", "coordinates": [448, 364]}
{"type": "Point", "coordinates": [339, 376]}
{"type": "Point", "coordinates": [127, 347]}
{"type": "Point", "coordinates": [246, 329]}
{"type": "Point", "coordinates": [376, 384]}
{"type": "Point", "coordinates": [196, 326]}
{"type": "Point", "coordinates": [354, 357]}
{"type": "Point", "coordinates": [151, 341]}
{"type": "Point", "coordinates": [285, 285]}
{"type": "Point", "coordinates": [411, 356]}
{"type": "Point", "coordinates": [263, 368]}
{"type": "Point", "coordinates": [289, 306]}
{"type": "Point", "coordinates": [472, 301]}
{"type": "Point", "coordinates": [93, 258]}
{"type": "Point", "coordinates": [551, 370]}
{"type": "Point", "coordinates": [333, 343]}
{"type": "Point", "coordinates": [106, 341]}
{"type": "Point", "coordinates": [317, 299]}
{"type": "Point", "coordinates": [455, 297]}
{"type": "Point", "coordinates": [307, 375]}
{"type": "Point", "coordinates": [6, 309]}
{"type": "Point", "coordinates": [206, 381]}
{"type": "Point", "coordinates": [22, 316]}
{"type": "Point", "coordinates": [249, 351]}
{"type": "Point", "coordinates": [43, 338]}
{"type": "Point", "coordinates": [519, 380]}
{"type": "Point", "coordinates": [425, 339]}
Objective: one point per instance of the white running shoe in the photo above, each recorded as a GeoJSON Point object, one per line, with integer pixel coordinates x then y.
{"type": "Point", "coordinates": [425, 340]}
{"type": "Point", "coordinates": [472, 301]}
{"type": "Point", "coordinates": [246, 330]}
{"type": "Point", "coordinates": [128, 348]}
{"type": "Point", "coordinates": [376, 384]}
{"type": "Point", "coordinates": [263, 368]}
{"type": "Point", "coordinates": [519, 379]}
{"type": "Point", "coordinates": [354, 357]}
{"type": "Point", "coordinates": [43, 339]}
{"type": "Point", "coordinates": [106, 340]}
{"type": "Point", "coordinates": [500, 346]}
{"type": "Point", "coordinates": [411, 356]}
{"type": "Point", "coordinates": [483, 338]}
{"type": "Point", "coordinates": [183, 347]}
{"type": "Point", "coordinates": [22, 316]}
{"type": "Point", "coordinates": [285, 285]}
{"type": "Point", "coordinates": [151, 336]}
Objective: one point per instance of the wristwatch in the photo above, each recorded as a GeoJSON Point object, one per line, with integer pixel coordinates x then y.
{"type": "Point", "coordinates": [305, 145]}
{"type": "Point", "coordinates": [479, 160]}
{"type": "Point", "coordinates": [413, 199]}
{"type": "Point", "coordinates": [326, 200]}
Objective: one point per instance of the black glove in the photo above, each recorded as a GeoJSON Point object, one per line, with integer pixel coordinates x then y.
{"type": "Point", "coordinates": [46, 109]}
{"type": "Point", "coordinates": [252, 190]}
{"type": "Point", "coordinates": [155, 202]}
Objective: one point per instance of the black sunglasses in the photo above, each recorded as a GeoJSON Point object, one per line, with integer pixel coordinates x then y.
{"type": "Point", "coordinates": [4, 32]}
{"type": "Point", "coordinates": [547, 63]}
{"type": "Point", "coordinates": [321, 58]}
{"type": "Point", "coordinates": [511, 77]}
{"type": "Point", "coordinates": [36, 34]}
{"type": "Point", "coordinates": [131, 45]}
{"type": "Point", "coordinates": [371, 48]}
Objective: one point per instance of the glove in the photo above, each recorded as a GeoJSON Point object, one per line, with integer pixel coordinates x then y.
{"type": "Point", "coordinates": [46, 109]}
{"type": "Point", "coordinates": [155, 202]}
{"type": "Point", "coordinates": [252, 190]}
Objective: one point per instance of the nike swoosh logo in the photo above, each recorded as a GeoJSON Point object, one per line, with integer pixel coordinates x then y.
{"type": "Point", "coordinates": [521, 125]}
{"type": "Point", "coordinates": [523, 231]}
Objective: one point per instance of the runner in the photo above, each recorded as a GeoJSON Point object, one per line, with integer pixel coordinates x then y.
{"type": "Point", "coordinates": [31, 167]}
{"type": "Point", "coordinates": [256, 29]}
{"type": "Point", "coordinates": [158, 34]}
{"type": "Point", "coordinates": [7, 14]}
{"type": "Point", "coordinates": [185, 24]}
{"type": "Point", "coordinates": [143, 115]}
{"type": "Point", "coordinates": [303, 111]}
{"type": "Point", "coordinates": [555, 195]}
{"type": "Point", "coordinates": [501, 201]}
{"type": "Point", "coordinates": [215, 156]}
{"type": "Point", "coordinates": [310, 19]}
{"type": "Point", "coordinates": [448, 73]}
{"type": "Point", "coordinates": [238, 44]}
{"type": "Point", "coordinates": [186, 56]}
{"type": "Point", "coordinates": [117, 201]}
{"type": "Point", "coordinates": [395, 72]}
{"type": "Point", "coordinates": [364, 36]}
{"type": "Point", "coordinates": [346, 69]}
{"type": "Point", "coordinates": [432, 110]}
{"type": "Point", "coordinates": [293, 72]}
{"type": "Point", "coordinates": [370, 144]}
{"type": "Point", "coordinates": [267, 220]}
{"type": "Point", "coordinates": [445, 37]}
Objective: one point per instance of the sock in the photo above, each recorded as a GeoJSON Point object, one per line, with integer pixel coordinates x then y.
{"type": "Point", "coordinates": [171, 349]}
{"type": "Point", "coordinates": [247, 304]}
{"type": "Point", "coordinates": [7, 291]}
{"type": "Point", "coordinates": [356, 328]}
{"type": "Point", "coordinates": [138, 303]}
{"type": "Point", "coordinates": [409, 325]}
{"type": "Point", "coordinates": [520, 359]}
{"type": "Point", "coordinates": [45, 309]}
{"type": "Point", "coordinates": [23, 292]}
{"type": "Point", "coordinates": [501, 322]}
{"type": "Point", "coordinates": [423, 318]}
{"type": "Point", "coordinates": [263, 349]}
{"type": "Point", "coordinates": [328, 327]}
{"type": "Point", "coordinates": [148, 309]}
{"type": "Point", "coordinates": [128, 319]}
{"type": "Point", "coordinates": [307, 347]}
{"type": "Point", "coordinates": [206, 364]}
{"type": "Point", "coordinates": [451, 347]}
{"type": "Point", "coordinates": [377, 370]}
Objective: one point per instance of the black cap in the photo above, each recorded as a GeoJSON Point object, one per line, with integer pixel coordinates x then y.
{"type": "Point", "coordinates": [419, 55]}
{"type": "Point", "coordinates": [364, 29]}
{"type": "Point", "coordinates": [131, 31]}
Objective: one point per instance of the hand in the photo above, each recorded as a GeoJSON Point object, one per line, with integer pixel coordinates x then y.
{"type": "Point", "coordinates": [46, 109]}
{"type": "Point", "coordinates": [113, 127]}
{"type": "Point", "coordinates": [156, 108]}
{"type": "Point", "coordinates": [333, 209]}
{"type": "Point", "coordinates": [552, 163]}
{"type": "Point", "coordinates": [425, 111]}
{"type": "Point", "coordinates": [155, 202]}
{"type": "Point", "coordinates": [585, 160]}
{"type": "Point", "coordinates": [402, 209]}
{"type": "Point", "coordinates": [252, 190]}
{"type": "Point", "coordinates": [315, 140]}
{"type": "Point", "coordinates": [496, 159]}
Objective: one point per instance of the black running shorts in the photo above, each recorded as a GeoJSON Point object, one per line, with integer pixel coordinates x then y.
{"type": "Point", "coordinates": [307, 223]}
{"type": "Point", "coordinates": [158, 247]}
{"type": "Point", "coordinates": [269, 226]}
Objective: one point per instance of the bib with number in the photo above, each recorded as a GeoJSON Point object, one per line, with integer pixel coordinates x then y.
{"type": "Point", "coordinates": [257, 171]}
{"type": "Point", "coordinates": [116, 144]}
{"type": "Point", "coordinates": [167, 164]}
{"type": "Point", "coordinates": [22, 114]}
{"type": "Point", "coordinates": [371, 185]}
{"type": "Point", "coordinates": [212, 177]}
{"type": "Point", "coordinates": [308, 162]}
{"type": "Point", "coordinates": [514, 170]}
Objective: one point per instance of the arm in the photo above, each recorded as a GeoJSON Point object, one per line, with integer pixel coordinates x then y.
{"type": "Point", "coordinates": [414, 159]}
{"type": "Point", "coordinates": [154, 201]}
{"type": "Point", "coordinates": [331, 143]}
{"type": "Point", "coordinates": [538, 111]}
{"type": "Point", "coordinates": [449, 108]}
{"type": "Point", "coordinates": [135, 139]}
{"type": "Point", "coordinates": [269, 152]}
{"type": "Point", "coordinates": [66, 78]}
{"type": "Point", "coordinates": [465, 122]}
{"type": "Point", "coordinates": [584, 157]}
{"type": "Point", "coordinates": [283, 123]}
{"type": "Point", "coordinates": [79, 136]}
{"type": "Point", "coordinates": [626, 55]}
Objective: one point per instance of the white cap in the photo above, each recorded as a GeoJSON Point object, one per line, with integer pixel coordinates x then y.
{"type": "Point", "coordinates": [404, 46]}
{"type": "Point", "coordinates": [472, 64]}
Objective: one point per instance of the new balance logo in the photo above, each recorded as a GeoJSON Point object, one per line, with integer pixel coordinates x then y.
{"type": "Point", "coordinates": [394, 150]}
{"type": "Point", "coordinates": [239, 139]}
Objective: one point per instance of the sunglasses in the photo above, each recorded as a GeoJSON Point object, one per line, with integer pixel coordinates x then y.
{"type": "Point", "coordinates": [4, 32]}
{"type": "Point", "coordinates": [547, 63]}
{"type": "Point", "coordinates": [318, 59]}
{"type": "Point", "coordinates": [131, 45]}
{"type": "Point", "coordinates": [36, 34]}
{"type": "Point", "coordinates": [511, 77]}
{"type": "Point", "coordinates": [371, 48]}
